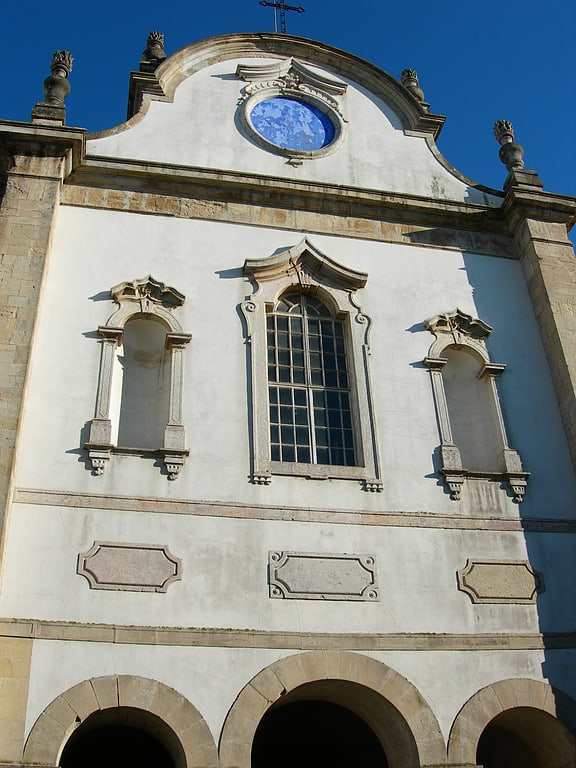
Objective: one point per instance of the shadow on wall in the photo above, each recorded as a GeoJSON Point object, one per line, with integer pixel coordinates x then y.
{"type": "Point", "coordinates": [535, 428]}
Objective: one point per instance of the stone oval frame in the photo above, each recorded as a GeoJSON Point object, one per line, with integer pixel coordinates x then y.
{"type": "Point", "coordinates": [348, 672]}
{"type": "Point", "coordinates": [67, 711]}
{"type": "Point", "coordinates": [494, 699]}
{"type": "Point", "coordinates": [245, 120]}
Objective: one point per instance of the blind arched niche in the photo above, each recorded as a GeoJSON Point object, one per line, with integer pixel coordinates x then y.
{"type": "Point", "coordinates": [472, 430]}
{"type": "Point", "coordinates": [139, 397]}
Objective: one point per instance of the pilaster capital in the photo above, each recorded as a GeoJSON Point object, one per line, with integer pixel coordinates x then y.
{"type": "Point", "coordinates": [526, 199]}
{"type": "Point", "coordinates": [43, 141]}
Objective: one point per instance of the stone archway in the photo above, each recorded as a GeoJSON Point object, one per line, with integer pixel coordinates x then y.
{"type": "Point", "coordinates": [534, 715]}
{"type": "Point", "coordinates": [390, 705]}
{"type": "Point", "coordinates": [182, 728]}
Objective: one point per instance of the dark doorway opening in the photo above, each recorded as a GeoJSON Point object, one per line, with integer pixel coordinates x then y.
{"type": "Point", "coordinates": [315, 734]}
{"type": "Point", "coordinates": [524, 737]}
{"type": "Point", "coordinates": [116, 738]}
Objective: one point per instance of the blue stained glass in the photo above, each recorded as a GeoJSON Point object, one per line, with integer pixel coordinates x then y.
{"type": "Point", "coordinates": [292, 124]}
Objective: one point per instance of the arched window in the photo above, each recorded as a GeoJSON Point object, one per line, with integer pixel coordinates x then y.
{"type": "Point", "coordinates": [472, 431]}
{"type": "Point", "coordinates": [311, 413]}
{"type": "Point", "coordinates": [308, 384]}
{"type": "Point", "coordinates": [139, 397]}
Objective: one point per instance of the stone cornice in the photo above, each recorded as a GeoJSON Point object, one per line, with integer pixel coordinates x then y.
{"type": "Point", "coordinates": [232, 186]}
{"type": "Point", "coordinates": [42, 140]}
{"type": "Point", "coordinates": [396, 518]}
{"type": "Point", "coordinates": [532, 202]}
{"type": "Point", "coordinates": [218, 637]}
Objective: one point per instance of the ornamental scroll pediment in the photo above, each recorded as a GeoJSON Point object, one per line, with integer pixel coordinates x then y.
{"type": "Point", "coordinates": [458, 323]}
{"type": "Point", "coordinates": [305, 264]}
{"type": "Point", "coordinates": [147, 290]}
{"type": "Point", "coordinates": [292, 77]}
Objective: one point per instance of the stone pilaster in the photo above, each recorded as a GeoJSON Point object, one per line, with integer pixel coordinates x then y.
{"type": "Point", "coordinates": [538, 221]}
{"type": "Point", "coordinates": [35, 159]}
{"type": "Point", "coordinates": [15, 658]}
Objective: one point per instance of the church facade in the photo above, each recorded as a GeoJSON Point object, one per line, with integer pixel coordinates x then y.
{"type": "Point", "coordinates": [288, 428]}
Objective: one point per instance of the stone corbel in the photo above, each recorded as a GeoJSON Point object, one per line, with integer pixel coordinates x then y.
{"type": "Point", "coordinates": [261, 478]}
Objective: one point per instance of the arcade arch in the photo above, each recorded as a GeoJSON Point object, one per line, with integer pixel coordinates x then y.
{"type": "Point", "coordinates": [173, 726]}
{"type": "Point", "coordinates": [390, 708]}
{"type": "Point", "coordinates": [518, 723]}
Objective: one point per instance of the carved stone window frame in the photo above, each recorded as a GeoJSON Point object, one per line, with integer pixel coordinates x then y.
{"type": "Point", "coordinates": [305, 269]}
{"type": "Point", "coordinates": [145, 298]}
{"type": "Point", "coordinates": [456, 329]}
{"type": "Point", "coordinates": [291, 79]}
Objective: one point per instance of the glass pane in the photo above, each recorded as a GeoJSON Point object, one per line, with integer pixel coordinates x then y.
{"type": "Point", "coordinates": [331, 379]}
{"type": "Point", "coordinates": [302, 436]}
{"type": "Point", "coordinates": [303, 454]}
{"type": "Point", "coordinates": [301, 415]}
{"type": "Point", "coordinates": [285, 415]}
{"type": "Point", "coordinates": [316, 378]}
{"type": "Point", "coordinates": [337, 456]}
{"type": "Point", "coordinates": [319, 417]}
{"type": "Point", "coordinates": [300, 397]}
{"type": "Point", "coordinates": [275, 452]}
{"type": "Point", "coordinates": [288, 453]}
{"type": "Point", "coordinates": [285, 396]}
{"type": "Point", "coordinates": [298, 358]}
{"type": "Point", "coordinates": [314, 343]}
{"type": "Point", "coordinates": [298, 376]}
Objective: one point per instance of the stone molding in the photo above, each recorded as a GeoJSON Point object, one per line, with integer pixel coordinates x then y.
{"type": "Point", "coordinates": [503, 695]}
{"type": "Point", "coordinates": [304, 269]}
{"type": "Point", "coordinates": [291, 78]}
{"type": "Point", "coordinates": [148, 298]}
{"type": "Point", "coordinates": [72, 707]}
{"type": "Point", "coordinates": [385, 700]}
{"type": "Point", "coordinates": [382, 517]}
{"type": "Point", "coordinates": [457, 329]}
{"type": "Point", "coordinates": [225, 637]}
{"type": "Point", "coordinates": [500, 581]}
{"type": "Point", "coordinates": [322, 576]}
{"type": "Point", "coordinates": [182, 190]}
{"type": "Point", "coordinates": [133, 567]}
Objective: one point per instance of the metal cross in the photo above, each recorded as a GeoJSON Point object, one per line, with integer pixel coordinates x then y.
{"type": "Point", "coordinates": [282, 7]}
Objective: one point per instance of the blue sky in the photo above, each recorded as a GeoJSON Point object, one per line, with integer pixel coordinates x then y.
{"type": "Point", "coordinates": [477, 62]}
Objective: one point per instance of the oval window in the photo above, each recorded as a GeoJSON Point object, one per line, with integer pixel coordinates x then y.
{"type": "Point", "coordinates": [292, 124]}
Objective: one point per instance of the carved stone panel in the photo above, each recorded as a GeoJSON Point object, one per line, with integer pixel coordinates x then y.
{"type": "Point", "coordinates": [500, 581]}
{"type": "Point", "coordinates": [321, 576]}
{"type": "Point", "coordinates": [134, 567]}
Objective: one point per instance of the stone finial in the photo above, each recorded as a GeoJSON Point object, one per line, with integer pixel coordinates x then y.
{"type": "Point", "coordinates": [154, 52]}
{"type": "Point", "coordinates": [56, 89]}
{"type": "Point", "coordinates": [409, 79]}
{"type": "Point", "coordinates": [56, 85]}
{"type": "Point", "coordinates": [511, 153]}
